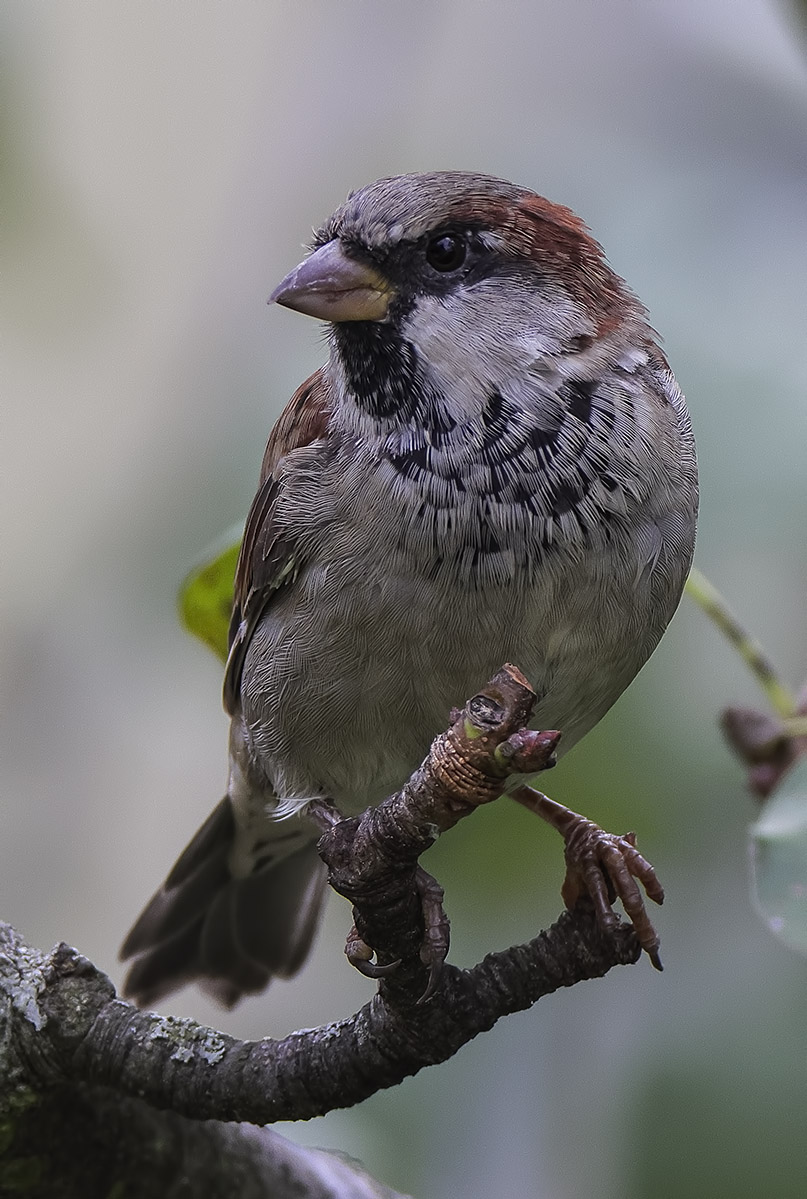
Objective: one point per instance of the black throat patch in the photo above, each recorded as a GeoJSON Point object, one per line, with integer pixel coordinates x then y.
{"type": "Point", "coordinates": [381, 370]}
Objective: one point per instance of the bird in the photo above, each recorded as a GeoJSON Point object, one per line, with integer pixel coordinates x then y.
{"type": "Point", "coordinates": [495, 463]}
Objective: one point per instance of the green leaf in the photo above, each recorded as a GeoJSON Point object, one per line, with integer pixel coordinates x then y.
{"type": "Point", "coordinates": [206, 595]}
{"type": "Point", "coordinates": [778, 842]}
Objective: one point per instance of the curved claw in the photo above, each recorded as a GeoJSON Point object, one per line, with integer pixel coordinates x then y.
{"type": "Point", "coordinates": [359, 954]}
{"type": "Point", "coordinates": [373, 969]}
{"type": "Point", "coordinates": [435, 977]}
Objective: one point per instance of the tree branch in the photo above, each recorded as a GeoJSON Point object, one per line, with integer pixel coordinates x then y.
{"type": "Point", "coordinates": [66, 1032]}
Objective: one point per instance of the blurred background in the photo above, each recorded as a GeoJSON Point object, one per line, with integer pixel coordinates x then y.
{"type": "Point", "coordinates": [162, 164]}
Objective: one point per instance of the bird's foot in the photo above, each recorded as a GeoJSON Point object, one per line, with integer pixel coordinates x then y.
{"type": "Point", "coordinates": [434, 947]}
{"type": "Point", "coordinates": [603, 866]}
{"type": "Point", "coordinates": [436, 930]}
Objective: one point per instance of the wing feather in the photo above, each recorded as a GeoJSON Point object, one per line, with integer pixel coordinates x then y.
{"type": "Point", "coordinates": [267, 560]}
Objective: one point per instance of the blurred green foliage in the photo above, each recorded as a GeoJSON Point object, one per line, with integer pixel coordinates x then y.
{"type": "Point", "coordinates": [206, 594]}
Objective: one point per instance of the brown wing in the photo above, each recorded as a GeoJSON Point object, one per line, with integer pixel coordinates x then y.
{"type": "Point", "coordinates": [267, 561]}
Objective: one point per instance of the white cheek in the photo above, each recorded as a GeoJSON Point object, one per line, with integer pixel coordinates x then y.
{"type": "Point", "coordinates": [484, 337]}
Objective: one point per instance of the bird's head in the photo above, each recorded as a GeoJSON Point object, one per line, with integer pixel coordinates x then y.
{"type": "Point", "coordinates": [455, 284]}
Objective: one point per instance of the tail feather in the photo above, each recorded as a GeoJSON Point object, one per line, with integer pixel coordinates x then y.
{"type": "Point", "coordinates": [213, 839]}
{"type": "Point", "coordinates": [231, 935]}
{"type": "Point", "coordinates": [164, 967]}
{"type": "Point", "coordinates": [199, 873]}
{"type": "Point", "coordinates": [220, 954]}
{"type": "Point", "coordinates": [298, 885]}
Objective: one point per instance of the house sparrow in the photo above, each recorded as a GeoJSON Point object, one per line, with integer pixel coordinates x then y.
{"type": "Point", "coordinates": [495, 464]}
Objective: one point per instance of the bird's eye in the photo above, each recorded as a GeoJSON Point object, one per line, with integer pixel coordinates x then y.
{"type": "Point", "coordinates": [446, 251]}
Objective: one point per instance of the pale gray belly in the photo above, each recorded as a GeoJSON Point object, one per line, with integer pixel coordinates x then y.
{"type": "Point", "coordinates": [350, 711]}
